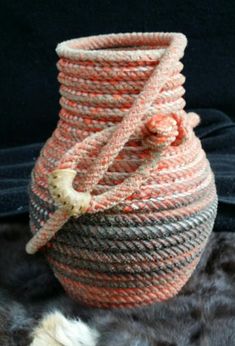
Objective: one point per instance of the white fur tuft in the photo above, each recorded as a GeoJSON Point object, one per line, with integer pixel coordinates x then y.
{"type": "Point", "coordinates": [56, 330]}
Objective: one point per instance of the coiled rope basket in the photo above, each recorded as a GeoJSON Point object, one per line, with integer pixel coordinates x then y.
{"type": "Point", "coordinates": [122, 197]}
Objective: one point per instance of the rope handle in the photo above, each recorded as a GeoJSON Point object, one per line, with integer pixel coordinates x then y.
{"type": "Point", "coordinates": [60, 184]}
{"type": "Point", "coordinates": [110, 142]}
{"type": "Point", "coordinates": [74, 203]}
{"type": "Point", "coordinates": [60, 181]}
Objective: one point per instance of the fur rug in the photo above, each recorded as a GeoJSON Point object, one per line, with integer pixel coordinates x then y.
{"type": "Point", "coordinates": [35, 311]}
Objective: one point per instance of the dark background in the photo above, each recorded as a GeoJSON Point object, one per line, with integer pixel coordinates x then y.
{"type": "Point", "coordinates": [30, 31]}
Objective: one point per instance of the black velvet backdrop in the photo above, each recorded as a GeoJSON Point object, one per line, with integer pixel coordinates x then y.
{"type": "Point", "coordinates": [29, 33]}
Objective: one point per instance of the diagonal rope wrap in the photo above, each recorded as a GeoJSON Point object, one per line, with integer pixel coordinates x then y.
{"type": "Point", "coordinates": [123, 154]}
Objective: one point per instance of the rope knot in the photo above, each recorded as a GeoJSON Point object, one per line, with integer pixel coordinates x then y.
{"type": "Point", "coordinates": [163, 130]}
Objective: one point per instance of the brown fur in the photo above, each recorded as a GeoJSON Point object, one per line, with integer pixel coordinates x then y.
{"type": "Point", "coordinates": [202, 314]}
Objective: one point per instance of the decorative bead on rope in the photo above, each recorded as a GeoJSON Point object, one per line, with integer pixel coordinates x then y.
{"type": "Point", "coordinates": [123, 171]}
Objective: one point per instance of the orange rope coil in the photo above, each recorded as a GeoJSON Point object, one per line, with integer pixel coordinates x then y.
{"type": "Point", "coordinates": [123, 185]}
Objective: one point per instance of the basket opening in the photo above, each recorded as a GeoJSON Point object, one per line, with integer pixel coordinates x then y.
{"type": "Point", "coordinates": [120, 47]}
{"type": "Point", "coordinates": [130, 48]}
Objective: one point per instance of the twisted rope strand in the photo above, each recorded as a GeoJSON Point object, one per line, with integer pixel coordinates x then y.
{"type": "Point", "coordinates": [123, 178]}
{"type": "Point", "coordinates": [119, 136]}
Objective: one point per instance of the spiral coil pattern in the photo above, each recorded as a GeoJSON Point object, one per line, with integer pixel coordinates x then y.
{"type": "Point", "coordinates": [154, 199]}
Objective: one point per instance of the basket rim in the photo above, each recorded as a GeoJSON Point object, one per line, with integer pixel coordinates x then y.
{"type": "Point", "coordinates": [95, 47]}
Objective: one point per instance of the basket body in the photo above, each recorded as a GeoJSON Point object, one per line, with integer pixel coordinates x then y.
{"type": "Point", "coordinates": [144, 249]}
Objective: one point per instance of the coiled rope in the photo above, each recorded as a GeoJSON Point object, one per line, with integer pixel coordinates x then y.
{"type": "Point", "coordinates": [123, 140]}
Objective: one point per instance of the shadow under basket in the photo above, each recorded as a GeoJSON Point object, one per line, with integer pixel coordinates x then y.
{"type": "Point", "coordinates": [122, 196]}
